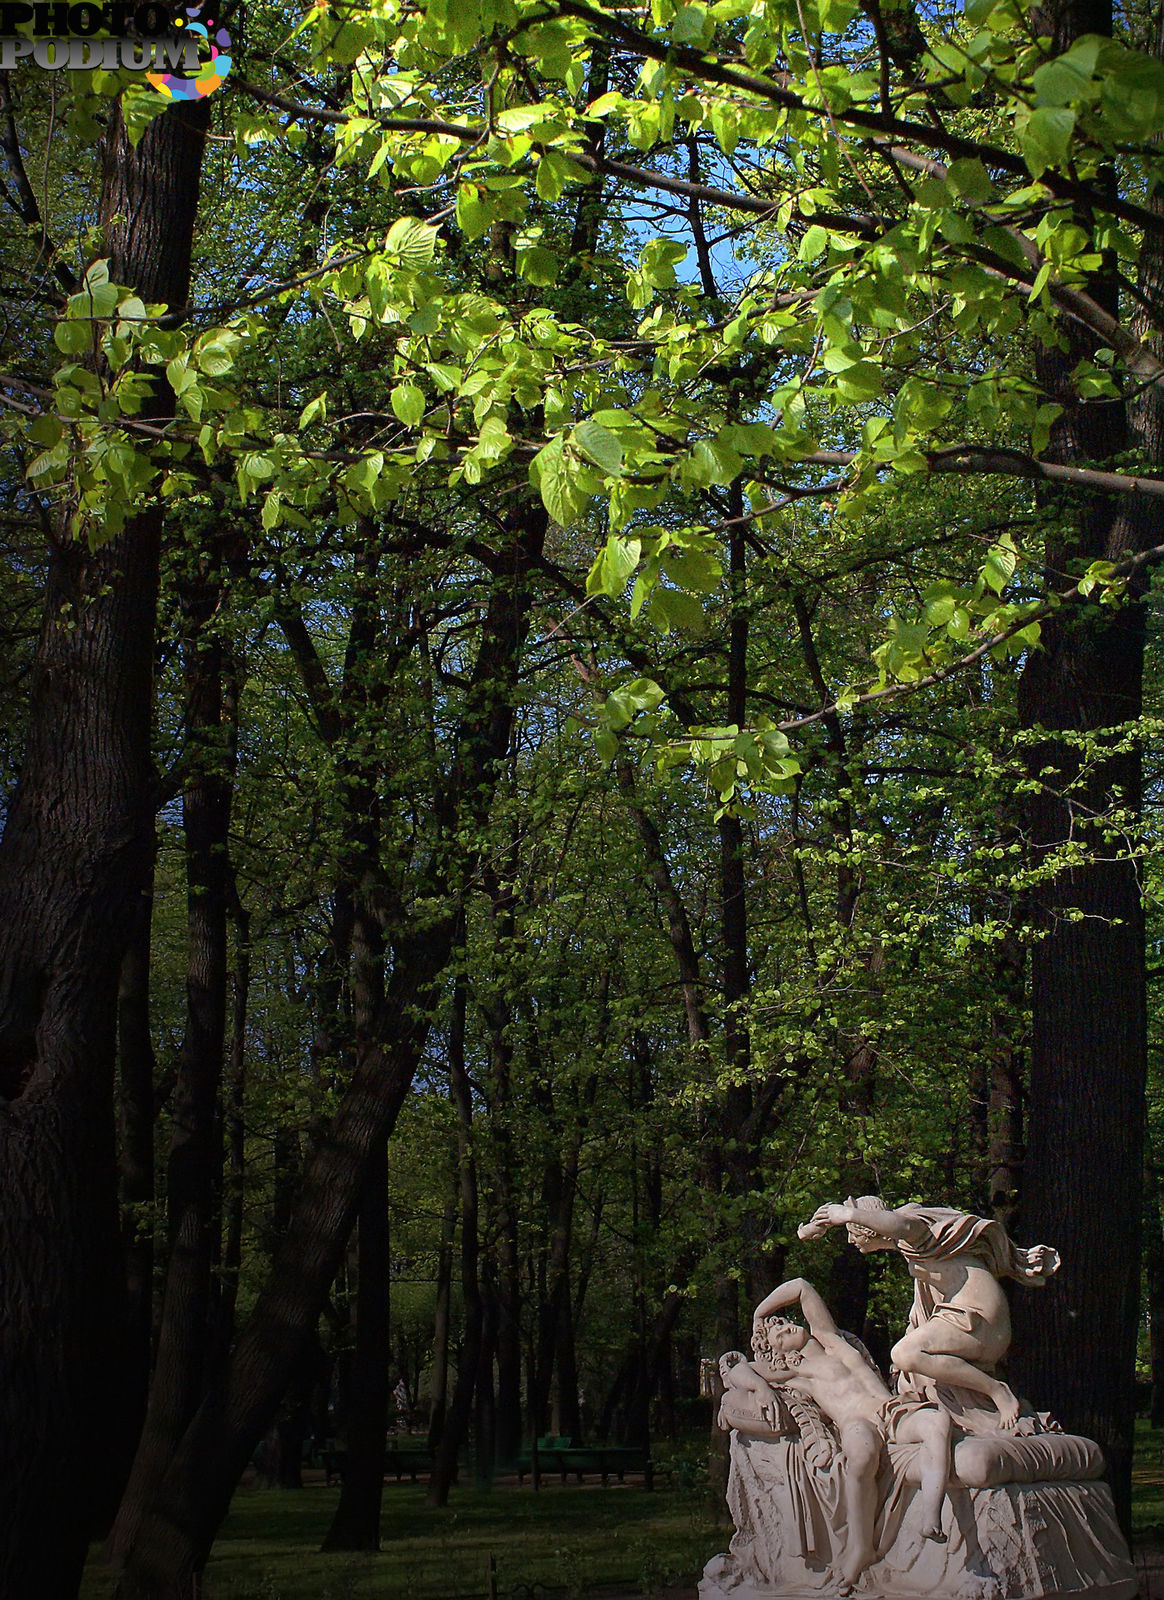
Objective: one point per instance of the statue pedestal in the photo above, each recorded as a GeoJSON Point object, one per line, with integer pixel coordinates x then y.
{"type": "Point", "coordinates": [1015, 1541]}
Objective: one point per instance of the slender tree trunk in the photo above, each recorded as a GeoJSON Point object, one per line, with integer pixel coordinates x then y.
{"type": "Point", "coordinates": [1005, 1151]}
{"type": "Point", "coordinates": [504, 1178]}
{"type": "Point", "coordinates": [460, 1413]}
{"type": "Point", "coordinates": [485, 1407]}
{"type": "Point", "coordinates": [356, 1524]}
{"type": "Point", "coordinates": [73, 867]}
{"type": "Point", "coordinates": [440, 1338]}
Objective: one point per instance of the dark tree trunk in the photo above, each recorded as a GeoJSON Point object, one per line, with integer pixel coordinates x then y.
{"type": "Point", "coordinates": [235, 1186]}
{"type": "Point", "coordinates": [460, 1412]}
{"type": "Point", "coordinates": [507, 1289]}
{"type": "Point", "coordinates": [356, 1524]}
{"type": "Point", "coordinates": [73, 867]}
{"type": "Point", "coordinates": [192, 1498]}
{"type": "Point", "coordinates": [1075, 1344]}
{"type": "Point", "coordinates": [1154, 1283]}
{"type": "Point", "coordinates": [194, 1173]}
{"type": "Point", "coordinates": [485, 1407]}
{"type": "Point", "coordinates": [510, 1426]}
{"type": "Point", "coordinates": [440, 1338]}
{"type": "Point", "coordinates": [1005, 1151]}
{"type": "Point", "coordinates": [135, 1118]}
{"type": "Point", "coordinates": [566, 1360]}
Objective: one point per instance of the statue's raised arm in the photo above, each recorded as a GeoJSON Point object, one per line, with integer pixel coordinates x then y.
{"type": "Point", "coordinates": [959, 1327]}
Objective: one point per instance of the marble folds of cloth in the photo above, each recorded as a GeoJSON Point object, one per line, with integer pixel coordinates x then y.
{"type": "Point", "coordinates": [1036, 1526]}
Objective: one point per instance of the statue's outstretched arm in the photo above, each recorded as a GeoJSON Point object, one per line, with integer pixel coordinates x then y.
{"type": "Point", "coordinates": [889, 1224]}
{"type": "Point", "coordinates": [816, 1313]}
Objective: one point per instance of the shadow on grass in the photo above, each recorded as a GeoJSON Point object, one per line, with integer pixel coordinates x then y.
{"type": "Point", "coordinates": [564, 1542]}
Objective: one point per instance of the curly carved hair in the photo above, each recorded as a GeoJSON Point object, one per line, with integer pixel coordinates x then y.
{"type": "Point", "coordinates": [762, 1330]}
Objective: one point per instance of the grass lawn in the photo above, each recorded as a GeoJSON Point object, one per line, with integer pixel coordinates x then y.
{"type": "Point", "coordinates": [564, 1541]}
{"type": "Point", "coordinates": [1148, 1485]}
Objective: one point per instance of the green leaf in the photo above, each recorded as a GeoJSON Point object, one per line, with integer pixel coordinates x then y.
{"type": "Point", "coordinates": [1069, 76]}
{"type": "Point", "coordinates": [671, 608]}
{"type": "Point", "coordinates": [407, 402]}
{"type": "Point", "coordinates": [970, 179]}
{"type": "Point", "coordinates": [473, 215]}
{"type": "Point", "coordinates": [614, 565]}
{"type": "Point", "coordinates": [538, 265]}
{"type": "Point", "coordinates": [1001, 561]}
{"type": "Point", "coordinates": [412, 240]}
{"type": "Point", "coordinates": [554, 474]}
{"type": "Point", "coordinates": [73, 338]}
{"type": "Point", "coordinates": [814, 243]}
{"type": "Point", "coordinates": [1046, 138]}
{"type": "Point", "coordinates": [214, 355]}
{"type": "Point", "coordinates": [45, 430]}
{"type": "Point", "coordinates": [599, 445]}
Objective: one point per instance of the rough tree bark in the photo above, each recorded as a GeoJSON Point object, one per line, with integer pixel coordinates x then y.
{"type": "Point", "coordinates": [1075, 1345]}
{"type": "Point", "coordinates": [135, 1149]}
{"type": "Point", "coordinates": [194, 1168]}
{"type": "Point", "coordinates": [73, 865]}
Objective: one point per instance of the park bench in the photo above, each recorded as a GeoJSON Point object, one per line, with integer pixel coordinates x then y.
{"type": "Point", "coordinates": [561, 1455]}
{"type": "Point", "coordinates": [413, 1459]}
{"type": "Point", "coordinates": [398, 1459]}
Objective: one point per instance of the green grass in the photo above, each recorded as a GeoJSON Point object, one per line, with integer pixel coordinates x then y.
{"type": "Point", "coordinates": [563, 1542]}
{"type": "Point", "coordinates": [1148, 1485]}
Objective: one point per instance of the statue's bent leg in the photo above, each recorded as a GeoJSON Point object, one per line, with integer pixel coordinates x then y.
{"type": "Point", "coordinates": [931, 1428]}
{"type": "Point", "coordinates": [862, 1445]}
{"type": "Point", "coordinates": [947, 1355]}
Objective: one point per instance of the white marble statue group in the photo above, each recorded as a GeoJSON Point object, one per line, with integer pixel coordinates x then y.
{"type": "Point", "coordinates": [949, 1486]}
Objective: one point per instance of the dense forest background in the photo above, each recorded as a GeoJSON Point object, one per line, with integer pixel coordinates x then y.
{"type": "Point", "coordinates": [580, 665]}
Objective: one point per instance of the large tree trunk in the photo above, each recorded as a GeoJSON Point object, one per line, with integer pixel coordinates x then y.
{"type": "Point", "coordinates": [235, 1127]}
{"type": "Point", "coordinates": [73, 866]}
{"type": "Point", "coordinates": [194, 1173]}
{"type": "Point", "coordinates": [1075, 1345]}
{"type": "Point", "coordinates": [135, 1148]}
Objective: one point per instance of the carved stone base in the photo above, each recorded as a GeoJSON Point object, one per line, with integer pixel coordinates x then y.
{"type": "Point", "coordinates": [1037, 1541]}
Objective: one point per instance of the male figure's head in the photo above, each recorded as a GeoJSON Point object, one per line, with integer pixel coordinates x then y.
{"type": "Point", "coordinates": [779, 1341]}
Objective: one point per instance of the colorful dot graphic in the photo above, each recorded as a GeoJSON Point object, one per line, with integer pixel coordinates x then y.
{"type": "Point", "coordinates": [214, 59]}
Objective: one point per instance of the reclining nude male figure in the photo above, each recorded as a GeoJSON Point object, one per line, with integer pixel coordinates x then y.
{"type": "Point", "coordinates": [818, 1361]}
{"type": "Point", "coordinates": [959, 1327]}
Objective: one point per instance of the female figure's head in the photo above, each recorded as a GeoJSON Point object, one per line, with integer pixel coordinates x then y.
{"type": "Point", "coordinates": [864, 1238]}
